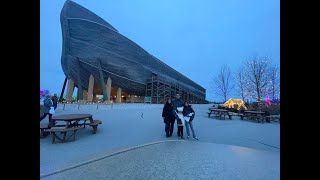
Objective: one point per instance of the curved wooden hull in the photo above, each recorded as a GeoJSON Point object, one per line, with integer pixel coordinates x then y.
{"type": "Point", "coordinates": [87, 38]}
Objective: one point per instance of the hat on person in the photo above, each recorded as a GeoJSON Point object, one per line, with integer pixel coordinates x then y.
{"type": "Point", "coordinates": [180, 108]}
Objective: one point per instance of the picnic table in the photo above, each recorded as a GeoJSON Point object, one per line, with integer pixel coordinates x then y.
{"type": "Point", "coordinates": [219, 113]}
{"type": "Point", "coordinates": [253, 115]}
{"type": "Point", "coordinates": [72, 124]}
{"type": "Point", "coordinates": [73, 119]}
{"type": "Point", "coordinates": [275, 118]}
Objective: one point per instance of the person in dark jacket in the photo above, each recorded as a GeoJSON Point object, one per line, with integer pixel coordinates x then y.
{"type": "Point", "coordinates": [168, 118]}
{"type": "Point", "coordinates": [47, 104]}
{"type": "Point", "coordinates": [55, 101]}
{"type": "Point", "coordinates": [42, 98]}
{"type": "Point", "coordinates": [177, 102]}
{"type": "Point", "coordinates": [189, 114]}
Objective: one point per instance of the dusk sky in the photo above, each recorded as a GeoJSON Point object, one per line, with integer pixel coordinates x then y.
{"type": "Point", "coordinates": [194, 37]}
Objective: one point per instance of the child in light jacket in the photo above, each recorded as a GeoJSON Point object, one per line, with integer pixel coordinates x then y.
{"type": "Point", "coordinates": [180, 121]}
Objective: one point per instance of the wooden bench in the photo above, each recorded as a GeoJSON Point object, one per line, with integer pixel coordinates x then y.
{"type": "Point", "coordinates": [268, 118]}
{"type": "Point", "coordinates": [219, 115]}
{"type": "Point", "coordinates": [212, 112]}
{"type": "Point", "coordinates": [230, 114]}
{"type": "Point", "coordinates": [275, 118]}
{"type": "Point", "coordinates": [256, 118]}
{"type": "Point", "coordinates": [43, 127]}
{"type": "Point", "coordinates": [64, 131]}
{"type": "Point", "coordinates": [94, 125]}
{"type": "Point", "coordinates": [86, 122]}
{"type": "Point", "coordinates": [260, 118]}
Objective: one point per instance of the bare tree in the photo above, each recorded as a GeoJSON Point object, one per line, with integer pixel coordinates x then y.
{"type": "Point", "coordinates": [256, 72]}
{"type": "Point", "coordinates": [274, 81]}
{"type": "Point", "coordinates": [222, 83]}
{"type": "Point", "coordinates": [241, 83]}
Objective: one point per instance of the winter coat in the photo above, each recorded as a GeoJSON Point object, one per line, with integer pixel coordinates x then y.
{"type": "Point", "coordinates": [55, 100]}
{"type": "Point", "coordinates": [176, 103]}
{"type": "Point", "coordinates": [47, 104]}
{"type": "Point", "coordinates": [41, 100]}
{"type": "Point", "coordinates": [167, 113]}
{"type": "Point", "coordinates": [187, 110]}
{"type": "Point", "coordinates": [178, 118]}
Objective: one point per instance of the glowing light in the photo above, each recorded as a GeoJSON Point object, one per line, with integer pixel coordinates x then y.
{"type": "Point", "coordinates": [268, 103]}
{"type": "Point", "coordinates": [231, 102]}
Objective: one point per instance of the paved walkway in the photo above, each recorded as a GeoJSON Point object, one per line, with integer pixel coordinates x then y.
{"type": "Point", "coordinates": [179, 160]}
{"type": "Point", "coordinates": [119, 131]}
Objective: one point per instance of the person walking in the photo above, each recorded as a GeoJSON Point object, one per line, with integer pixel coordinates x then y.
{"type": "Point", "coordinates": [55, 101]}
{"type": "Point", "coordinates": [47, 104]}
{"type": "Point", "coordinates": [168, 118]}
{"type": "Point", "coordinates": [42, 98]}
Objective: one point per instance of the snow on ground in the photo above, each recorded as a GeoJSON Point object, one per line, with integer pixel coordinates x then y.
{"type": "Point", "coordinates": [127, 125]}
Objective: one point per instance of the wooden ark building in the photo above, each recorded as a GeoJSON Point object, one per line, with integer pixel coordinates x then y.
{"type": "Point", "coordinates": [98, 60]}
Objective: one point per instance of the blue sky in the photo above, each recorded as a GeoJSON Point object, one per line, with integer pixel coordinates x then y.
{"type": "Point", "coordinates": [194, 37]}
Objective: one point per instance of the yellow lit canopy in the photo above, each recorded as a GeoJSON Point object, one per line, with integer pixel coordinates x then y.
{"type": "Point", "coordinates": [232, 102]}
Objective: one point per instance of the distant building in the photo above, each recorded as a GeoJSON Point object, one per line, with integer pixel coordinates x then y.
{"type": "Point", "coordinates": [98, 60]}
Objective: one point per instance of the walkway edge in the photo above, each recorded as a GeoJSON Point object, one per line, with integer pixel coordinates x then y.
{"type": "Point", "coordinates": [106, 156]}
